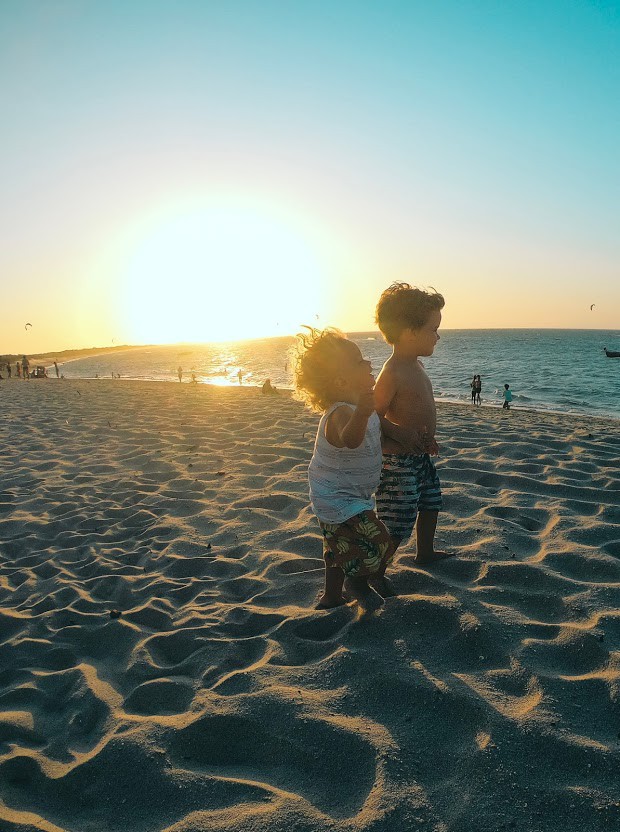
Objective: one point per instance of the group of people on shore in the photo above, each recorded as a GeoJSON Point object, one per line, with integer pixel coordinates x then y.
{"type": "Point", "coordinates": [476, 390]}
{"type": "Point", "coordinates": [22, 369]}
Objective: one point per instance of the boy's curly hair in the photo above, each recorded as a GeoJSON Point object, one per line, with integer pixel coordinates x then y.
{"type": "Point", "coordinates": [402, 306]}
{"type": "Point", "coordinates": [315, 357]}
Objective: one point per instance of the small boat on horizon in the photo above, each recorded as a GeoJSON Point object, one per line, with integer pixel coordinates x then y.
{"type": "Point", "coordinates": [611, 353]}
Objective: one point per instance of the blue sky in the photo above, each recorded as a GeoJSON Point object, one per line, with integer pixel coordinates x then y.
{"type": "Point", "coordinates": [471, 146]}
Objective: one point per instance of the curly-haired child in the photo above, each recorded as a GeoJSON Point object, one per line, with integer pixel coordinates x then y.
{"type": "Point", "coordinates": [332, 377]}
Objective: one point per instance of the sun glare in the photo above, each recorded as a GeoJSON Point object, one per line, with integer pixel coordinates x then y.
{"type": "Point", "coordinates": [221, 272]}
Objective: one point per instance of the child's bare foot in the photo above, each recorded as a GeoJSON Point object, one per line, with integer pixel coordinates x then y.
{"type": "Point", "coordinates": [366, 597]}
{"type": "Point", "coordinates": [433, 557]}
{"type": "Point", "coordinates": [383, 586]}
{"type": "Point", "coordinates": [327, 602]}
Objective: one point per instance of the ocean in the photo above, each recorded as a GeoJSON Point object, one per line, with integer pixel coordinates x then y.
{"type": "Point", "coordinates": [551, 370]}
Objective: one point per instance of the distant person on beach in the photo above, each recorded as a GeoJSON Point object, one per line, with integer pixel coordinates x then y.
{"type": "Point", "coordinates": [332, 377]}
{"type": "Point", "coordinates": [8, 369]}
{"type": "Point", "coordinates": [180, 373]}
{"type": "Point", "coordinates": [57, 370]}
{"type": "Point", "coordinates": [25, 368]}
{"type": "Point", "coordinates": [18, 369]}
{"type": "Point", "coordinates": [268, 388]}
{"type": "Point", "coordinates": [507, 397]}
{"type": "Point", "coordinates": [240, 377]}
{"type": "Point", "coordinates": [409, 494]}
{"type": "Point", "coordinates": [476, 389]}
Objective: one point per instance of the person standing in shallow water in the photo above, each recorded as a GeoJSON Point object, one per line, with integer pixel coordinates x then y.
{"type": "Point", "coordinates": [180, 373]}
{"type": "Point", "coordinates": [507, 397]}
{"type": "Point", "coordinates": [476, 389]}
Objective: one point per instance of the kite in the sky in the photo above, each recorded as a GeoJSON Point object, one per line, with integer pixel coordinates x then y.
{"type": "Point", "coordinates": [27, 325]}
{"type": "Point", "coordinates": [592, 306]}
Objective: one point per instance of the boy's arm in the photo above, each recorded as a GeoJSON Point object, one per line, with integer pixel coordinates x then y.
{"type": "Point", "coordinates": [346, 428]}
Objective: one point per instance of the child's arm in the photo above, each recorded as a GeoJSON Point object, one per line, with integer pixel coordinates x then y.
{"type": "Point", "coordinates": [346, 428]}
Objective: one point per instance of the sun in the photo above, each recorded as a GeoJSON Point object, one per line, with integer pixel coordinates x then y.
{"type": "Point", "coordinates": [224, 270]}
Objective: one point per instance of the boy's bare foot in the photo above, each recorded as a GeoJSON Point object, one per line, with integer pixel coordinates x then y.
{"type": "Point", "coordinates": [383, 586]}
{"type": "Point", "coordinates": [325, 602]}
{"type": "Point", "coordinates": [433, 557]}
{"type": "Point", "coordinates": [366, 597]}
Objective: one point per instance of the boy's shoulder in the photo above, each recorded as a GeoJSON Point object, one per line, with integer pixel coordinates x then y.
{"type": "Point", "coordinates": [397, 365]}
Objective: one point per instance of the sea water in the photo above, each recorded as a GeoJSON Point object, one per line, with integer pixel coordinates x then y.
{"type": "Point", "coordinates": [550, 369]}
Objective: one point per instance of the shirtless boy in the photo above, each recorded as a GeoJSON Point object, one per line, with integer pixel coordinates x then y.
{"type": "Point", "coordinates": [409, 493]}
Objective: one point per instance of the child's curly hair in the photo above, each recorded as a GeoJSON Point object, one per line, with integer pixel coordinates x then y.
{"type": "Point", "coordinates": [402, 306]}
{"type": "Point", "coordinates": [316, 355]}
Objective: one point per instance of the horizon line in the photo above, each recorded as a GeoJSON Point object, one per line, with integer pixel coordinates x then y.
{"type": "Point", "coordinates": [4, 356]}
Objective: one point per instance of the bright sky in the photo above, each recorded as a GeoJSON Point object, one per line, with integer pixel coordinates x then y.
{"type": "Point", "coordinates": [202, 170]}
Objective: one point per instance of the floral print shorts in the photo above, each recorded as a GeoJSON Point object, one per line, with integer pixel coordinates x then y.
{"type": "Point", "coordinates": [359, 546]}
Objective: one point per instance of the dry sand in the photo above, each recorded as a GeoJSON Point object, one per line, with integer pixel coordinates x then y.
{"type": "Point", "coordinates": [485, 697]}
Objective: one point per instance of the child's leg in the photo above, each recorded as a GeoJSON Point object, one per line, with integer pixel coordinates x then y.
{"type": "Point", "coordinates": [425, 538]}
{"type": "Point", "coordinates": [332, 593]}
{"type": "Point", "coordinates": [378, 581]}
{"type": "Point", "coordinates": [360, 590]}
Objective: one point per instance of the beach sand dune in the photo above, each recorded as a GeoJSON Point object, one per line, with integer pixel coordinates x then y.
{"type": "Point", "coordinates": [162, 666]}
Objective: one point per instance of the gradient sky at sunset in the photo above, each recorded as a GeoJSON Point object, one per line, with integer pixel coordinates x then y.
{"type": "Point", "coordinates": [195, 171]}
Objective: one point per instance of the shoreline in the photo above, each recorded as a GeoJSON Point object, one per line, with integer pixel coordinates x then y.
{"type": "Point", "coordinates": [465, 404]}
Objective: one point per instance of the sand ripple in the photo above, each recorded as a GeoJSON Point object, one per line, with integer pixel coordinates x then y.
{"type": "Point", "coordinates": [162, 666]}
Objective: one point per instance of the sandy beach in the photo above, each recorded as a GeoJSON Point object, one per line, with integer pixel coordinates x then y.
{"type": "Point", "coordinates": [162, 666]}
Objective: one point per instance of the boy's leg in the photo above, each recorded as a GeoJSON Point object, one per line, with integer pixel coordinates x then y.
{"type": "Point", "coordinates": [425, 538]}
{"type": "Point", "coordinates": [428, 509]}
{"type": "Point", "coordinates": [332, 592]}
{"type": "Point", "coordinates": [397, 498]}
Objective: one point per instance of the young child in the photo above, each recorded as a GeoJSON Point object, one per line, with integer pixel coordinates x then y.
{"type": "Point", "coordinates": [332, 376]}
{"type": "Point", "coordinates": [409, 493]}
{"type": "Point", "coordinates": [507, 397]}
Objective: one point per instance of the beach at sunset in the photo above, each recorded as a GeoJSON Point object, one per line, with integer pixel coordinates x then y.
{"type": "Point", "coordinates": [404, 213]}
{"type": "Point", "coordinates": [163, 666]}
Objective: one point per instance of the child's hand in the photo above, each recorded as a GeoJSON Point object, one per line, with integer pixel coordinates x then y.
{"type": "Point", "coordinates": [415, 443]}
{"type": "Point", "coordinates": [432, 448]}
{"type": "Point", "coordinates": [429, 443]}
{"type": "Point", "coordinates": [366, 403]}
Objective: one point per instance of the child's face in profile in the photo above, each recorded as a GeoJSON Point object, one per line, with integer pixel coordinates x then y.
{"type": "Point", "coordinates": [424, 339]}
{"type": "Point", "coordinates": [354, 370]}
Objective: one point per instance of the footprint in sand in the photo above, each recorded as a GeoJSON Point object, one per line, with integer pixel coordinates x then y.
{"type": "Point", "coordinates": [243, 745]}
{"type": "Point", "coordinates": [160, 697]}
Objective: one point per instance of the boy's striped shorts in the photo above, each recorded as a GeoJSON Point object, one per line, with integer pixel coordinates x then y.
{"type": "Point", "coordinates": [409, 483]}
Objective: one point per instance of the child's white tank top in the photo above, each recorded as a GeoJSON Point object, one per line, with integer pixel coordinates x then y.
{"type": "Point", "coordinates": [343, 481]}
